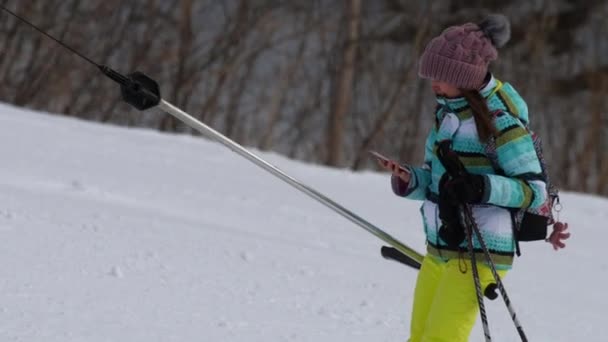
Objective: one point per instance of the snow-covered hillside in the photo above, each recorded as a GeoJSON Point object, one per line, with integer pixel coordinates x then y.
{"type": "Point", "coordinates": [113, 234]}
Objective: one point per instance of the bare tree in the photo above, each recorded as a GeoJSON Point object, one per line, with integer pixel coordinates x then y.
{"type": "Point", "coordinates": [322, 81]}
{"type": "Point", "coordinates": [342, 97]}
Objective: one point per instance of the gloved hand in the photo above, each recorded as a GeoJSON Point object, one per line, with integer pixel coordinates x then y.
{"type": "Point", "coordinates": [460, 187]}
{"type": "Point", "coordinates": [466, 188]}
{"type": "Point", "coordinates": [451, 230]}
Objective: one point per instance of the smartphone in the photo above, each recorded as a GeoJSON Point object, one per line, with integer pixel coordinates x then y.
{"type": "Point", "coordinates": [386, 159]}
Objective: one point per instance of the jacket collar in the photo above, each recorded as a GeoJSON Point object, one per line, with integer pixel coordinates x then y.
{"type": "Point", "coordinates": [460, 106]}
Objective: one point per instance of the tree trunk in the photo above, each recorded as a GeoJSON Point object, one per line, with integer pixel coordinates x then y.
{"type": "Point", "coordinates": [344, 86]}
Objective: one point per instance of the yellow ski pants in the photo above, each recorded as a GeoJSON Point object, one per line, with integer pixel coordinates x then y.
{"type": "Point", "coordinates": [445, 302]}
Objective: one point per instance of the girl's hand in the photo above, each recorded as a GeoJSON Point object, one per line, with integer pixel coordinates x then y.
{"type": "Point", "coordinates": [395, 168]}
{"type": "Point", "coordinates": [559, 234]}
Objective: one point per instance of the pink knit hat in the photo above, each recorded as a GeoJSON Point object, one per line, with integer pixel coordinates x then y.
{"type": "Point", "coordinates": [460, 55]}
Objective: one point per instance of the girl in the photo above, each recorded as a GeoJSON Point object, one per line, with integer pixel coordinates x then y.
{"type": "Point", "coordinates": [472, 106]}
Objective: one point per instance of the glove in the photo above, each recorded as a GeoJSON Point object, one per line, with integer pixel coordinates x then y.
{"type": "Point", "coordinates": [461, 186]}
{"type": "Point", "coordinates": [456, 187]}
{"type": "Point", "coordinates": [451, 230]}
{"type": "Point", "coordinates": [466, 188]}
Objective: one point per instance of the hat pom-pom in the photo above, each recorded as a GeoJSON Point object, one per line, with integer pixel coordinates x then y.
{"type": "Point", "coordinates": [497, 28]}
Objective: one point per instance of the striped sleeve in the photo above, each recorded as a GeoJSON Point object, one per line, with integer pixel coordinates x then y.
{"type": "Point", "coordinates": [421, 176]}
{"type": "Point", "coordinates": [522, 185]}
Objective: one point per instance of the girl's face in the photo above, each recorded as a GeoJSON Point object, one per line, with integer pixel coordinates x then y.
{"type": "Point", "coordinates": [445, 89]}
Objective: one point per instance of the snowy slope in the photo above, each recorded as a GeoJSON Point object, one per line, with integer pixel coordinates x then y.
{"type": "Point", "coordinates": [114, 234]}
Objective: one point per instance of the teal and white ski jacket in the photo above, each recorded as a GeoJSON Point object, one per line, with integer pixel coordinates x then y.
{"type": "Point", "coordinates": [519, 187]}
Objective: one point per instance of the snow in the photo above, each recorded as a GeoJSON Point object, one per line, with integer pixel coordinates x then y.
{"type": "Point", "coordinates": [115, 234]}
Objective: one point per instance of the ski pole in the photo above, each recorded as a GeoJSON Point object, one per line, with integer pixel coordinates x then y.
{"type": "Point", "coordinates": [471, 222]}
{"type": "Point", "coordinates": [477, 281]}
{"type": "Point", "coordinates": [394, 254]}
{"type": "Point", "coordinates": [454, 167]}
{"type": "Point", "coordinates": [211, 133]}
{"type": "Point", "coordinates": [143, 93]}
